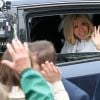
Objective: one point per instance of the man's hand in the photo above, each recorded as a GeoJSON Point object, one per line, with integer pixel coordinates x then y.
{"type": "Point", "coordinates": [20, 56]}
{"type": "Point", "coordinates": [50, 72]}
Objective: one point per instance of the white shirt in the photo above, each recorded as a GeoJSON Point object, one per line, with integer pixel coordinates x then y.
{"type": "Point", "coordinates": [16, 94]}
{"type": "Point", "coordinates": [79, 46]}
{"type": "Point", "coordinates": [59, 91]}
{"type": "Point", "coordinates": [57, 88]}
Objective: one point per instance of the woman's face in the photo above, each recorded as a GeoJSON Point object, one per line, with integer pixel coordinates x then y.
{"type": "Point", "coordinates": [80, 29]}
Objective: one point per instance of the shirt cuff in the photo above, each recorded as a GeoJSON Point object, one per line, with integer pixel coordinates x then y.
{"type": "Point", "coordinates": [58, 86]}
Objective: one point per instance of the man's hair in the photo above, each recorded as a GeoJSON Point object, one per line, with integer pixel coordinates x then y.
{"type": "Point", "coordinates": [44, 50]}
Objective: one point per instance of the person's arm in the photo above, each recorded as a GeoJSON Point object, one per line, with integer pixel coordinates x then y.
{"type": "Point", "coordinates": [34, 86]}
{"type": "Point", "coordinates": [59, 91]}
{"type": "Point", "coordinates": [52, 75]}
{"type": "Point", "coordinates": [96, 38]}
{"type": "Point", "coordinates": [32, 83]}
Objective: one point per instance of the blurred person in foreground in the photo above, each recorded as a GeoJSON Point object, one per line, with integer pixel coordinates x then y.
{"type": "Point", "coordinates": [31, 82]}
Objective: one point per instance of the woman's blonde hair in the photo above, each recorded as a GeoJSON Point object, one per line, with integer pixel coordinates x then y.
{"type": "Point", "coordinates": [69, 26]}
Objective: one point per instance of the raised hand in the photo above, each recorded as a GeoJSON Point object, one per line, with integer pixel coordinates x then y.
{"type": "Point", "coordinates": [20, 56]}
{"type": "Point", "coordinates": [50, 72]}
{"type": "Point", "coordinates": [96, 37]}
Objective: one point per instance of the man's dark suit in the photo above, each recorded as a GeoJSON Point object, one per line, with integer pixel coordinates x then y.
{"type": "Point", "coordinates": [74, 91]}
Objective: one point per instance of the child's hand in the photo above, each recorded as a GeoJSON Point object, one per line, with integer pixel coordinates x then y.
{"type": "Point", "coordinates": [96, 37]}
{"type": "Point", "coordinates": [20, 56]}
{"type": "Point", "coordinates": [50, 72]}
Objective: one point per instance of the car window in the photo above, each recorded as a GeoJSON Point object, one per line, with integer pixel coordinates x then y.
{"type": "Point", "coordinates": [47, 24]}
{"type": "Point", "coordinates": [51, 28]}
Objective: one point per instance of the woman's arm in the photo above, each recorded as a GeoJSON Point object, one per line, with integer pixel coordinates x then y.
{"type": "Point", "coordinates": [96, 37]}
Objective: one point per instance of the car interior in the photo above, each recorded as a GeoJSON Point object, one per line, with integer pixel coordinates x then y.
{"type": "Point", "coordinates": [46, 28]}
{"type": "Point", "coordinates": [51, 28]}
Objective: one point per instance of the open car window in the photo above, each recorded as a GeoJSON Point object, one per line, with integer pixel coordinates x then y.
{"type": "Point", "coordinates": [50, 27]}
{"type": "Point", "coordinates": [46, 23]}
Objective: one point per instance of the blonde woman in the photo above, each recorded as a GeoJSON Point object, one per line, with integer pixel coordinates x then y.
{"type": "Point", "coordinates": [78, 32]}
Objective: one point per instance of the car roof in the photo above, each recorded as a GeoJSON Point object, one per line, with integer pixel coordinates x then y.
{"type": "Point", "coordinates": [42, 2]}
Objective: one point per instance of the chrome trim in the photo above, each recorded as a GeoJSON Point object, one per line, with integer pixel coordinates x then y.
{"type": "Point", "coordinates": [57, 4]}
